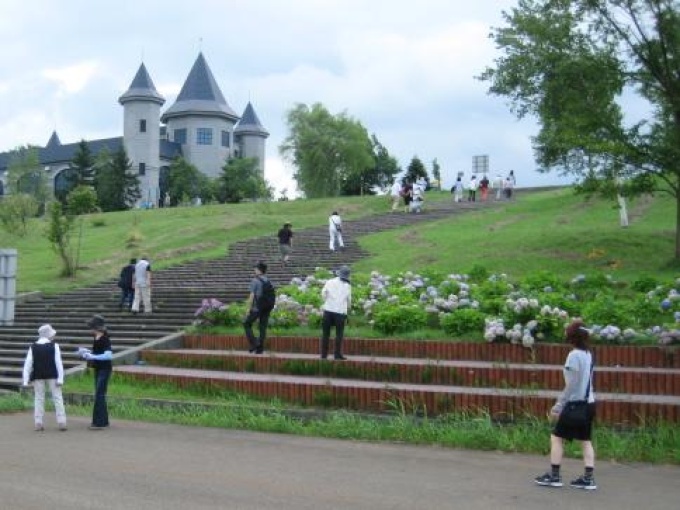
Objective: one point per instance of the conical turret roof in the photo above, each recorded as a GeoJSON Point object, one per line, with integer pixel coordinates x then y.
{"type": "Point", "coordinates": [200, 95]}
{"type": "Point", "coordinates": [142, 89]}
{"type": "Point", "coordinates": [250, 124]}
{"type": "Point", "coordinates": [53, 141]}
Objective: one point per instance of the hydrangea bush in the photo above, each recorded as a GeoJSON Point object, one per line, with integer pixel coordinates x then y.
{"type": "Point", "coordinates": [484, 305]}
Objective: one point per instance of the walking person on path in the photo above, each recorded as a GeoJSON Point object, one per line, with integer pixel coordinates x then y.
{"type": "Point", "coordinates": [508, 186]}
{"type": "Point", "coordinates": [126, 282]}
{"type": "Point", "coordinates": [457, 190]}
{"type": "Point", "coordinates": [337, 302]}
{"type": "Point", "coordinates": [484, 188]}
{"type": "Point", "coordinates": [43, 367]}
{"type": "Point", "coordinates": [498, 183]}
{"type": "Point", "coordinates": [395, 193]}
{"type": "Point", "coordinates": [99, 357]}
{"type": "Point", "coordinates": [472, 189]}
{"type": "Point", "coordinates": [285, 236]}
{"type": "Point", "coordinates": [335, 231]}
{"type": "Point", "coordinates": [259, 304]}
{"type": "Point", "coordinates": [142, 285]}
{"type": "Point", "coordinates": [578, 377]}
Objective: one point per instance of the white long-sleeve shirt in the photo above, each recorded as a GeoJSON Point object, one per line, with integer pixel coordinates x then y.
{"type": "Point", "coordinates": [28, 363]}
{"type": "Point", "coordinates": [334, 223]}
{"type": "Point", "coordinates": [337, 296]}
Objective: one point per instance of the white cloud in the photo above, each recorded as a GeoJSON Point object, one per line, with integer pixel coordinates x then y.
{"type": "Point", "coordinates": [74, 78]}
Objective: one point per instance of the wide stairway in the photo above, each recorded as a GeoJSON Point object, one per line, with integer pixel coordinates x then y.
{"type": "Point", "coordinates": [178, 291]}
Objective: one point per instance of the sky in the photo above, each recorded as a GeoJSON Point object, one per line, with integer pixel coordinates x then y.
{"type": "Point", "coordinates": [406, 70]}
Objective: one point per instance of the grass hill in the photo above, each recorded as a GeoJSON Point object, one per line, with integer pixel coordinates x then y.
{"type": "Point", "coordinates": [549, 230]}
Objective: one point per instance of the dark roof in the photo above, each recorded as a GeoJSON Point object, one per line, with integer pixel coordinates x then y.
{"type": "Point", "coordinates": [142, 88]}
{"type": "Point", "coordinates": [200, 95]}
{"type": "Point", "coordinates": [54, 140]}
{"type": "Point", "coordinates": [52, 155]}
{"type": "Point", "coordinates": [250, 124]}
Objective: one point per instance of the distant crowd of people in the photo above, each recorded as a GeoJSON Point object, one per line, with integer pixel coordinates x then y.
{"type": "Point", "coordinates": [503, 187]}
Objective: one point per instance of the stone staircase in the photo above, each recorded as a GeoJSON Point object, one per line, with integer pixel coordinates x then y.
{"type": "Point", "coordinates": [178, 291]}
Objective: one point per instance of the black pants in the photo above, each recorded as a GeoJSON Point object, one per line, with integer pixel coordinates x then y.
{"type": "Point", "coordinates": [329, 320]}
{"type": "Point", "coordinates": [100, 412]}
{"type": "Point", "coordinates": [256, 344]}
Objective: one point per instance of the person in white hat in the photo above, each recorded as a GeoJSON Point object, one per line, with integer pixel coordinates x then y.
{"type": "Point", "coordinates": [43, 366]}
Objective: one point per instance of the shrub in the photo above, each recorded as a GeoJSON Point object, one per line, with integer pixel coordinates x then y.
{"type": "Point", "coordinates": [543, 280]}
{"type": "Point", "coordinates": [463, 321]}
{"type": "Point", "coordinates": [645, 284]}
{"type": "Point", "coordinates": [390, 319]}
{"type": "Point", "coordinates": [284, 318]}
{"type": "Point", "coordinates": [478, 273]}
{"type": "Point", "coordinates": [606, 309]}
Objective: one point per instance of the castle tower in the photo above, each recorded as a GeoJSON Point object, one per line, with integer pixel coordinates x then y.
{"type": "Point", "coordinates": [142, 108]}
{"type": "Point", "coordinates": [201, 121]}
{"type": "Point", "coordinates": [250, 137]}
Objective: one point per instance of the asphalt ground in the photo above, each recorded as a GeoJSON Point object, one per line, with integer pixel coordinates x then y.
{"type": "Point", "coordinates": [135, 465]}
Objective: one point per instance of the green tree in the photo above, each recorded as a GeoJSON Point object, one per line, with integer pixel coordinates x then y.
{"type": "Point", "coordinates": [380, 175]}
{"type": "Point", "coordinates": [81, 200]}
{"type": "Point", "coordinates": [25, 174]}
{"type": "Point", "coordinates": [570, 62]}
{"type": "Point", "coordinates": [59, 233]}
{"type": "Point", "coordinates": [416, 170]}
{"type": "Point", "coordinates": [436, 173]}
{"type": "Point", "coordinates": [327, 150]}
{"type": "Point", "coordinates": [83, 163]}
{"type": "Point", "coordinates": [15, 211]}
{"type": "Point", "coordinates": [185, 182]}
{"type": "Point", "coordinates": [241, 180]}
{"type": "Point", "coordinates": [117, 187]}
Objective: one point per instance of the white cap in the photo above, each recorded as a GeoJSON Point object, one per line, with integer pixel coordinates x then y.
{"type": "Point", "coordinates": [47, 331]}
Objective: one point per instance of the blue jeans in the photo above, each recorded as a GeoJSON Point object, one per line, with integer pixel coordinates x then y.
{"type": "Point", "coordinates": [100, 413]}
{"type": "Point", "coordinates": [127, 294]}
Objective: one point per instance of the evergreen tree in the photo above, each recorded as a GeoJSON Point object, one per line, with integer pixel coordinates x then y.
{"type": "Point", "coordinates": [416, 170]}
{"type": "Point", "coordinates": [83, 164]}
{"type": "Point", "coordinates": [116, 186]}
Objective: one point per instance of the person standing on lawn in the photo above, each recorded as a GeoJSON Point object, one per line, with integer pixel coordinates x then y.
{"type": "Point", "coordinates": [578, 377]}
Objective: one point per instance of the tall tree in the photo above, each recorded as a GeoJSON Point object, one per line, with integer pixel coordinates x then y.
{"type": "Point", "coordinates": [184, 181]}
{"type": "Point", "coordinates": [83, 164]}
{"type": "Point", "coordinates": [326, 149]}
{"type": "Point", "coordinates": [241, 180]}
{"type": "Point", "coordinates": [380, 175]}
{"type": "Point", "coordinates": [26, 175]}
{"type": "Point", "coordinates": [569, 62]}
{"type": "Point", "coordinates": [436, 173]}
{"type": "Point", "coordinates": [117, 187]}
{"type": "Point", "coordinates": [416, 170]}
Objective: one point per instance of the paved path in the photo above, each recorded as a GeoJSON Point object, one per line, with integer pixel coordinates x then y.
{"type": "Point", "coordinates": [149, 466]}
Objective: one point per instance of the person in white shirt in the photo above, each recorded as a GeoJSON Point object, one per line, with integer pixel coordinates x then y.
{"type": "Point", "coordinates": [337, 302]}
{"type": "Point", "coordinates": [472, 189]}
{"type": "Point", "coordinates": [335, 231]}
{"type": "Point", "coordinates": [43, 366]}
{"type": "Point", "coordinates": [416, 204]}
{"type": "Point", "coordinates": [142, 280]}
{"type": "Point", "coordinates": [498, 185]}
{"type": "Point", "coordinates": [395, 193]}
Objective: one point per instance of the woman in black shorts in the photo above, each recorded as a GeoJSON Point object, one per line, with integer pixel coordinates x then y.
{"type": "Point", "coordinates": [578, 377]}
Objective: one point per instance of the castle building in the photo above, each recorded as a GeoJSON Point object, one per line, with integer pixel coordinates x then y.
{"type": "Point", "coordinates": [200, 126]}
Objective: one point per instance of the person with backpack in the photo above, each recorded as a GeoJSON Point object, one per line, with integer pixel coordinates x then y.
{"type": "Point", "coordinates": [43, 366]}
{"type": "Point", "coordinates": [127, 285]}
{"type": "Point", "coordinates": [337, 302]}
{"type": "Point", "coordinates": [259, 304]}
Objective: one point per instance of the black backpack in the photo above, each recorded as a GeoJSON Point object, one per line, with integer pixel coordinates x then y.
{"type": "Point", "coordinates": [267, 300]}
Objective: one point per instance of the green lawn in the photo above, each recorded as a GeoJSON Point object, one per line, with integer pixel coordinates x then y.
{"type": "Point", "coordinates": [551, 230]}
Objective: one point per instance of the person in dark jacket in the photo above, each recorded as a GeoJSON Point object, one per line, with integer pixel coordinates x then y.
{"type": "Point", "coordinates": [285, 236]}
{"type": "Point", "coordinates": [100, 358]}
{"type": "Point", "coordinates": [43, 366]}
{"type": "Point", "coordinates": [126, 284]}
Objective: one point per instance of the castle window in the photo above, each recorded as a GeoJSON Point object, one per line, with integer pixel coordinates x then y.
{"type": "Point", "coordinates": [225, 139]}
{"type": "Point", "coordinates": [142, 125]}
{"type": "Point", "coordinates": [142, 169]}
{"type": "Point", "coordinates": [204, 136]}
{"type": "Point", "coordinates": [180, 136]}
